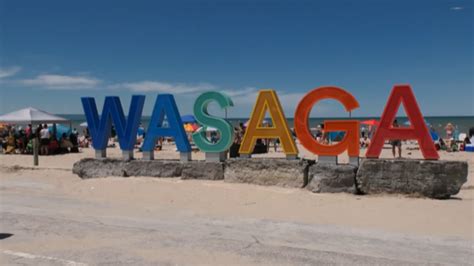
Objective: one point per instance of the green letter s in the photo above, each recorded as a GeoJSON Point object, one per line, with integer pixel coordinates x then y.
{"type": "Point", "coordinates": [202, 116]}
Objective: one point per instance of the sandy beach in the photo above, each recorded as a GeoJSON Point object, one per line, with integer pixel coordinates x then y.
{"type": "Point", "coordinates": [51, 216]}
{"type": "Point", "coordinates": [52, 191]}
{"type": "Point", "coordinates": [399, 213]}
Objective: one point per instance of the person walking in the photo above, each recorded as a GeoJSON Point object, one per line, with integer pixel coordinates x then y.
{"type": "Point", "coordinates": [396, 143]}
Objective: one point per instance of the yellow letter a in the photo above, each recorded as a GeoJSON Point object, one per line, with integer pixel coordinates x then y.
{"type": "Point", "coordinates": [267, 100]}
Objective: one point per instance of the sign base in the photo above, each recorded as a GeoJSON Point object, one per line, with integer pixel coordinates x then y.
{"type": "Point", "coordinates": [215, 156]}
{"type": "Point", "coordinates": [185, 156]}
{"type": "Point", "coordinates": [100, 154]}
{"type": "Point", "coordinates": [148, 155]}
{"type": "Point", "coordinates": [127, 155]}
{"type": "Point", "coordinates": [327, 159]}
{"type": "Point", "coordinates": [354, 161]}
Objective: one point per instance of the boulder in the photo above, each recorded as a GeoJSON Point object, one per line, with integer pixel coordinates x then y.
{"type": "Point", "coordinates": [434, 179]}
{"type": "Point", "coordinates": [266, 172]}
{"type": "Point", "coordinates": [203, 170]}
{"type": "Point", "coordinates": [154, 168]}
{"type": "Point", "coordinates": [331, 178]}
{"type": "Point", "coordinates": [90, 167]}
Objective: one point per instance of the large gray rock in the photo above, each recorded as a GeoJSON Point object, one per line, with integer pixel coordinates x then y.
{"type": "Point", "coordinates": [267, 172]}
{"type": "Point", "coordinates": [203, 170]}
{"type": "Point", "coordinates": [331, 178]}
{"type": "Point", "coordinates": [154, 168]}
{"type": "Point", "coordinates": [90, 167]}
{"type": "Point", "coordinates": [434, 179]}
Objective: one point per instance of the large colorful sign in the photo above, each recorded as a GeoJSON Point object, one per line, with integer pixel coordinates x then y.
{"type": "Point", "coordinates": [267, 101]}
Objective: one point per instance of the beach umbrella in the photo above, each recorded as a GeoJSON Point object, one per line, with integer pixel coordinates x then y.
{"type": "Point", "coordinates": [188, 128]}
{"type": "Point", "coordinates": [188, 119]}
{"type": "Point", "coordinates": [194, 126]}
{"type": "Point", "coordinates": [370, 122]}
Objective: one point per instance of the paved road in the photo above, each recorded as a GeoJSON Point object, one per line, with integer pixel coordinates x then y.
{"type": "Point", "coordinates": [49, 229]}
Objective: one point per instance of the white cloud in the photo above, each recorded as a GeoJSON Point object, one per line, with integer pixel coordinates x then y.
{"type": "Point", "coordinates": [245, 100]}
{"type": "Point", "coordinates": [8, 72]}
{"type": "Point", "coordinates": [185, 94]}
{"type": "Point", "coordinates": [184, 88]}
{"type": "Point", "coordinates": [249, 95]}
{"type": "Point", "coordinates": [62, 82]}
{"type": "Point", "coordinates": [243, 93]}
{"type": "Point", "coordinates": [164, 87]}
{"type": "Point", "coordinates": [289, 101]}
{"type": "Point", "coordinates": [457, 8]}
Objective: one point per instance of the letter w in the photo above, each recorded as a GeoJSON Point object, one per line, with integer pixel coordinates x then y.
{"type": "Point", "coordinates": [100, 128]}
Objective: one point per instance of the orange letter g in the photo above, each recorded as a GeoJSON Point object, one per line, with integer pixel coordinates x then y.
{"type": "Point", "coordinates": [350, 142]}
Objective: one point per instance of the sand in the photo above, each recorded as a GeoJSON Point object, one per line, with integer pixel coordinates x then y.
{"type": "Point", "coordinates": [218, 199]}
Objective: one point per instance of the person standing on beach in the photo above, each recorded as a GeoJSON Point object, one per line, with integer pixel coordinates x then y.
{"type": "Point", "coordinates": [396, 143]}
{"type": "Point", "coordinates": [44, 136]}
{"type": "Point", "coordinates": [363, 132]}
{"type": "Point", "coordinates": [324, 136]}
{"type": "Point", "coordinates": [140, 135]}
{"type": "Point", "coordinates": [29, 132]}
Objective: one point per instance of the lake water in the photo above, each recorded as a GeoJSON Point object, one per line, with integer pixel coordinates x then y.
{"type": "Point", "coordinates": [463, 123]}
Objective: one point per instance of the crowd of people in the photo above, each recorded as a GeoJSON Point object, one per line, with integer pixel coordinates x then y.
{"type": "Point", "coordinates": [18, 140]}
{"type": "Point", "coordinates": [452, 141]}
{"type": "Point", "coordinates": [263, 145]}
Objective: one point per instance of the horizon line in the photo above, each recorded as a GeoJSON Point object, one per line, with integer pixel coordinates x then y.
{"type": "Point", "coordinates": [326, 116]}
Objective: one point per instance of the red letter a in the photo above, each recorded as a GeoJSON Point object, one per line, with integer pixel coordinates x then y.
{"type": "Point", "coordinates": [417, 130]}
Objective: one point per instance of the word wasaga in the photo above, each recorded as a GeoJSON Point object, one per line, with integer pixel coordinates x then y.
{"type": "Point", "coordinates": [267, 101]}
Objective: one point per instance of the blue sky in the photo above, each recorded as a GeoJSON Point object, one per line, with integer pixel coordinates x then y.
{"type": "Point", "coordinates": [54, 52]}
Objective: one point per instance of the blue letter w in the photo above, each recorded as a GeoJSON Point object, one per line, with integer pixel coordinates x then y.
{"type": "Point", "coordinates": [100, 128]}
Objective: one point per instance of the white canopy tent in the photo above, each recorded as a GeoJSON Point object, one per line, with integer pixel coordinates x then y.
{"type": "Point", "coordinates": [31, 115]}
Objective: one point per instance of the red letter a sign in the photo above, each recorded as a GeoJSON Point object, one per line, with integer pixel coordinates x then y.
{"type": "Point", "coordinates": [417, 130]}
